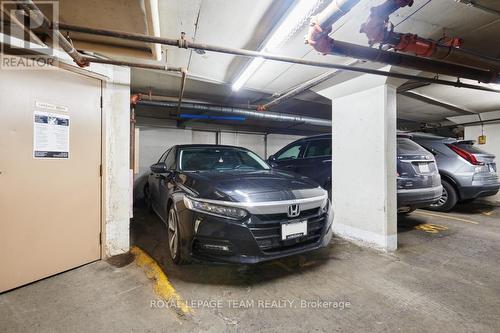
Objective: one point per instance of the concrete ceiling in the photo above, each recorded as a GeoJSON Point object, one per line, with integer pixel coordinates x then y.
{"type": "Point", "coordinates": [247, 24]}
{"type": "Point", "coordinates": [206, 22]}
{"type": "Point", "coordinates": [197, 18]}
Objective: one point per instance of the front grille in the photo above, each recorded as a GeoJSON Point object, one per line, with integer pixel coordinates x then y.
{"type": "Point", "coordinates": [284, 217]}
{"type": "Point", "coordinates": [267, 230]}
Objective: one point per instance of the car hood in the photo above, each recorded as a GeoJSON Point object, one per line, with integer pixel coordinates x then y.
{"type": "Point", "coordinates": [254, 186]}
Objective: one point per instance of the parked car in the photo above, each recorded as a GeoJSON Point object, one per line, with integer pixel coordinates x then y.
{"type": "Point", "coordinates": [224, 203]}
{"type": "Point", "coordinates": [467, 172]}
{"type": "Point", "coordinates": [310, 157]}
{"type": "Point", "coordinates": [418, 182]}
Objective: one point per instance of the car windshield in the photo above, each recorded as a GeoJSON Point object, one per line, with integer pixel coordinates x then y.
{"type": "Point", "coordinates": [219, 159]}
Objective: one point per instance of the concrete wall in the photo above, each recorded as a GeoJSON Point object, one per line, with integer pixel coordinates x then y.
{"type": "Point", "coordinates": [254, 142]}
{"type": "Point", "coordinates": [277, 141]}
{"type": "Point", "coordinates": [117, 174]}
{"type": "Point", "coordinates": [492, 132]}
{"type": "Point", "coordinates": [154, 141]}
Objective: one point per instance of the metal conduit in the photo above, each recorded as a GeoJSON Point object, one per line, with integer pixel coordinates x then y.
{"type": "Point", "coordinates": [41, 20]}
{"type": "Point", "coordinates": [340, 48]}
{"type": "Point", "coordinates": [133, 64]}
{"type": "Point", "coordinates": [271, 116]}
{"type": "Point", "coordinates": [81, 60]}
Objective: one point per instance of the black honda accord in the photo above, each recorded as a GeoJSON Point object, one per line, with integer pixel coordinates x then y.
{"type": "Point", "coordinates": [223, 203]}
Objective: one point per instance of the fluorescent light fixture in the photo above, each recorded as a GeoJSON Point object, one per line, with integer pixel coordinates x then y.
{"type": "Point", "coordinates": [245, 75]}
{"type": "Point", "coordinates": [296, 18]}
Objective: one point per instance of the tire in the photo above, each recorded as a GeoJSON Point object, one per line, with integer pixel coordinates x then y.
{"type": "Point", "coordinates": [447, 201]}
{"type": "Point", "coordinates": [174, 238]}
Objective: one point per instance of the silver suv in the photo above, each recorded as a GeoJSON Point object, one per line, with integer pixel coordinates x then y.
{"type": "Point", "coordinates": [466, 171]}
{"type": "Point", "coordinates": [418, 181]}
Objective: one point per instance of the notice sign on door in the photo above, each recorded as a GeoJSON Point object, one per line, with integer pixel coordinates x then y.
{"type": "Point", "coordinates": [50, 135]}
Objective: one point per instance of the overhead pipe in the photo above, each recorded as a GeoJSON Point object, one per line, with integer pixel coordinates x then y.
{"type": "Point", "coordinates": [133, 64]}
{"type": "Point", "coordinates": [318, 38]}
{"type": "Point", "coordinates": [43, 22]}
{"type": "Point", "coordinates": [334, 11]}
{"type": "Point", "coordinates": [379, 30]}
{"type": "Point", "coordinates": [183, 86]}
{"type": "Point", "coordinates": [331, 14]}
{"type": "Point", "coordinates": [248, 113]}
{"type": "Point", "coordinates": [342, 48]}
{"type": "Point", "coordinates": [81, 60]}
{"type": "Point", "coordinates": [12, 19]}
{"type": "Point", "coordinates": [301, 88]}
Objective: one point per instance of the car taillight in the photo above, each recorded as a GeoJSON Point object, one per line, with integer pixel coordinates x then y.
{"type": "Point", "coordinates": [465, 155]}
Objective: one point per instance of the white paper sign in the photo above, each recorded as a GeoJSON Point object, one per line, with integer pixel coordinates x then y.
{"type": "Point", "coordinates": [50, 135]}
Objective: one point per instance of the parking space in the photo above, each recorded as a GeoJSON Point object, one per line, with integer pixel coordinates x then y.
{"type": "Point", "coordinates": [194, 166]}
{"type": "Point", "coordinates": [444, 276]}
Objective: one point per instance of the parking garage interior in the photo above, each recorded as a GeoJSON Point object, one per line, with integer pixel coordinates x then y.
{"type": "Point", "coordinates": [95, 94]}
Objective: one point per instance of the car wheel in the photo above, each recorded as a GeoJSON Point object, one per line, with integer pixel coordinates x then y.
{"type": "Point", "coordinates": [174, 238]}
{"type": "Point", "coordinates": [147, 199]}
{"type": "Point", "coordinates": [448, 199]}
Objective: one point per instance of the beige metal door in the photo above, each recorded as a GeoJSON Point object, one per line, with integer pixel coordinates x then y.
{"type": "Point", "coordinates": [49, 207]}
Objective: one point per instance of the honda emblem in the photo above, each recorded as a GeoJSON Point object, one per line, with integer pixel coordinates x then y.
{"type": "Point", "coordinates": [293, 210]}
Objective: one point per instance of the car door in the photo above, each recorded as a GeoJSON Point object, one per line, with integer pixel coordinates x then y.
{"type": "Point", "coordinates": [289, 157]}
{"type": "Point", "coordinates": [166, 184]}
{"type": "Point", "coordinates": [316, 161]}
{"type": "Point", "coordinates": [154, 182]}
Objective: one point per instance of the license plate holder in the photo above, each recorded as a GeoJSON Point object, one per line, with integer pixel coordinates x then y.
{"type": "Point", "coordinates": [424, 167]}
{"type": "Point", "coordinates": [292, 230]}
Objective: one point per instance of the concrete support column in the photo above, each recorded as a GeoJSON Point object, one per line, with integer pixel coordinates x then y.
{"type": "Point", "coordinates": [364, 160]}
{"type": "Point", "coordinates": [117, 175]}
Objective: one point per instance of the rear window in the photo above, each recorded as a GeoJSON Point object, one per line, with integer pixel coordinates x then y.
{"type": "Point", "coordinates": [407, 146]}
{"type": "Point", "coordinates": [469, 147]}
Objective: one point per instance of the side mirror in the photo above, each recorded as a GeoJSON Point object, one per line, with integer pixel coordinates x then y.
{"type": "Point", "coordinates": [159, 168]}
{"type": "Point", "coordinates": [272, 158]}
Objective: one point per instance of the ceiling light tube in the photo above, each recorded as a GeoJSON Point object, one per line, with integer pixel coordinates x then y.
{"type": "Point", "coordinates": [247, 73]}
{"type": "Point", "coordinates": [295, 19]}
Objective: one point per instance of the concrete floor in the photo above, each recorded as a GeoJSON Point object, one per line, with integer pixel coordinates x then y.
{"type": "Point", "coordinates": [445, 277]}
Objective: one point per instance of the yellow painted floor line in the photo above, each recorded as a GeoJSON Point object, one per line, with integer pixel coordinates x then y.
{"type": "Point", "coordinates": [449, 217]}
{"type": "Point", "coordinates": [489, 213]}
{"type": "Point", "coordinates": [163, 287]}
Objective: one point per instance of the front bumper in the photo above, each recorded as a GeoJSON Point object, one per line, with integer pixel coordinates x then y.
{"type": "Point", "coordinates": [420, 197]}
{"type": "Point", "coordinates": [473, 192]}
{"type": "Point", "coordinates": [256, 239]}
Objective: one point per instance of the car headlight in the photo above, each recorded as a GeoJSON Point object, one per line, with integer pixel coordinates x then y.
{"type": "Point", "coordinates": [325, 206]}
{"type": "Point", "coordinates": [214, 209]}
